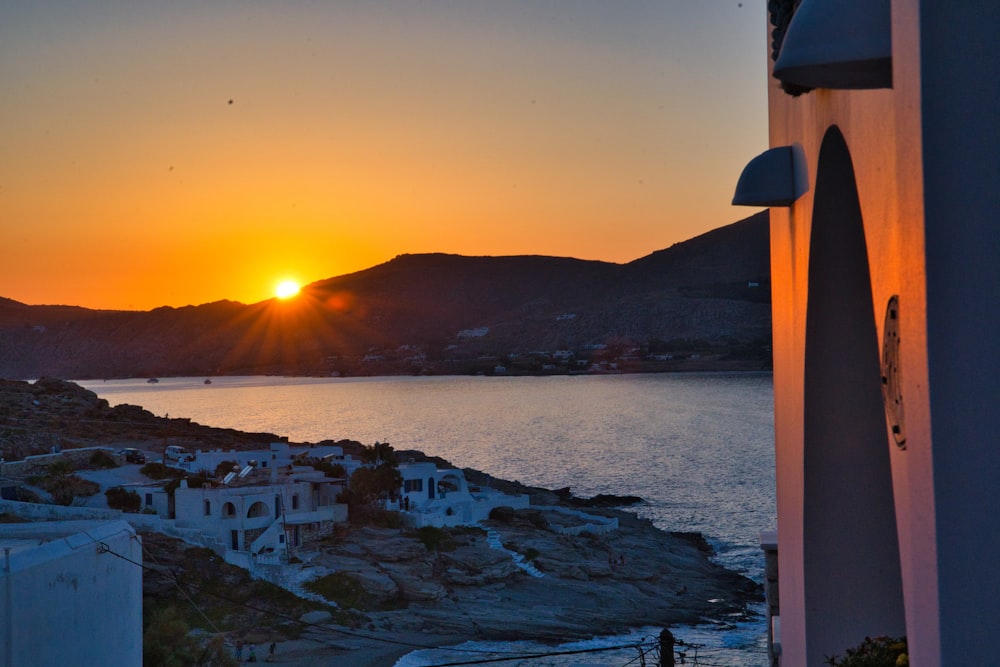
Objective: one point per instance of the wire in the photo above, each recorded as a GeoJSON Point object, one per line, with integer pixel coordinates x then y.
{"type": "Point", "coordinates": [644, 647]}
{"type": "Point", "coordinates": [514, 655]}
{"type": "Point", "coordinates": [533, 656]}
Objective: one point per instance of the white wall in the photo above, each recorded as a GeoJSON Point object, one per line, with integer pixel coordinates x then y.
{"type": "Point", "coordinates": [69, 601]}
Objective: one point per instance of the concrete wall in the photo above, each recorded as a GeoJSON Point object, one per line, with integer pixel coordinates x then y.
{"type": "Point", "coordinates": [69, 600]}
{"type": "Point", "coordinates": [902, 201]}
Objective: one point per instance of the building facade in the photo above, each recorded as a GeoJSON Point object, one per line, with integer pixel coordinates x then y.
{"type": "Point", "coordinates": [883, 180]}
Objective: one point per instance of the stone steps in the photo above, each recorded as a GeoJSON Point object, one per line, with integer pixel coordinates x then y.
{"type": "Point", "coordinates": [493, 539]}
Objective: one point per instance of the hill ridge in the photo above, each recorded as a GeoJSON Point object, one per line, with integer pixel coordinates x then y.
{"type": "Point", "coordinates": [413, 314]}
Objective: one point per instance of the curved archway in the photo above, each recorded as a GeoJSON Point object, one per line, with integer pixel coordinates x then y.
{"type": "Point", "coordinates": [853, 586]}
{"type": "Point", "coordinates": [228, 510]}
{"type": "Point", "coordinates": [256, 510]}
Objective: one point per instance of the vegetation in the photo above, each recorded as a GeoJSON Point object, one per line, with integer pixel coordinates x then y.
{"type": "Point", "coordinates": [378, 480]}
{"type": "Point", "coordinates": [64, 486]}
{"type": "Point", "coordinates": [122, 499]}
{"type": "Point", "coordinates": [228, 599]}
{"type": "Point", "coordinates": [167, 642]}
{"type": "Point", "coordinates": [435, 539]}
{"type": "Point", "coordinates": [101, 459]}
{"type": "Point", "coordinates": [60, 467]}
{"type": "Point", "coordinates": [156, 470]}
{"type": "Point", "coordinates": [330, 469]}
{"type": "Point", "coordinates": [226, 467]}
{"type": "Point", "coordinates": [347, 592]}
{"type": "Point", "coordinates": [878, 652]}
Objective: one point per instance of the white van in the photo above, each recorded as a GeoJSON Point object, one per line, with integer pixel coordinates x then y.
{"type": "Point", "coordinates": [178, 454]}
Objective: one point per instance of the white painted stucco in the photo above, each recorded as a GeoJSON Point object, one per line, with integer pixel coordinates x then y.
{"type": "Point", "coordinates": [66, 598]}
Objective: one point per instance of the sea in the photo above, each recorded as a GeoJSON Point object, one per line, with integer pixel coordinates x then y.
{"type": "Point", "coordinates": [696, 447]}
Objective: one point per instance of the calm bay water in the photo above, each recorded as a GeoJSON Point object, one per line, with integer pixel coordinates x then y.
{"type": "Point", "coordinates": [698, 448]}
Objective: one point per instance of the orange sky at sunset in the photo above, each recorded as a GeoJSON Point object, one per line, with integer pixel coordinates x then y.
{"type": "Point", "coordinates": [185, 152]}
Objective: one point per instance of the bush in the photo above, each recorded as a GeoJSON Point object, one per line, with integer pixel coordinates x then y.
{"type": "Point", "coordinates": [435, 539]}
{"type": "Point", "coordinates": [367, 515]}
{"type": "Point", "coordinates": [156, 470]}
{"type": "Point", "coordinates": [343, 589]}
{"type": "Point", "coordinates": [878, 652]}
{"type": "Point", "coordinates": [65, 488]}
{"type": "Point", "coordinates": [60, 467]}
{"type": "Point", "coordinates": [167, 642]}
{"type": "Point", "coordinates": [101, 459]}
{"type": "Point", "coordinates": [226, 467]}
{"type": "Point", "coordinates": [122, 499]}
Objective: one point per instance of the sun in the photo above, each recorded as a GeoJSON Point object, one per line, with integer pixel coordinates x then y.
{"type": "Point", "coordinates": [286, 289]}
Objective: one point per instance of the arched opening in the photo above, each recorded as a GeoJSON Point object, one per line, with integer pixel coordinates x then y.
{"type": "Point", "coordinates": [430, 488]}
{"type": "Point", "coordinates": [208, 507]}
{"type": "Point", "coordinates": [852, 577]}
{"type": "Point", "coordinates": [256, 510]}
{"type": "Point", "coordinates": [228, 510]}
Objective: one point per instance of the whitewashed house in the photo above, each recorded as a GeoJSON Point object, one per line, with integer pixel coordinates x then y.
{"type": "Point", "coordinates": [431, 496]}
{"type": "Point", "coordinates": [253, 519]}
{"type": "Point", "coordinates": [278, 455]}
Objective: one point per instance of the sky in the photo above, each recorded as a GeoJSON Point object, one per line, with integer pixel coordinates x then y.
{"type": "Point", "coordinates": [175, 153]}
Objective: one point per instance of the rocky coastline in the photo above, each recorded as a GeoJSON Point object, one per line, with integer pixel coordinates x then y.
{"type": "Point", "coordinates": [465, 584]}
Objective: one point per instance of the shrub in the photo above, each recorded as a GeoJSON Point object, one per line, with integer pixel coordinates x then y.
{"type": "Point", "coordinates": [343, 589]}
{"type": "Point", "coordinates": [435, 539]}
{"type": "Point", "coordinates": [122, 499]}
{"type": "Point", "coordinates": [60, 467]}
{"type": "Point", "coordinates": [156, 470]}
{"type": "Point", "coordinates": [226, 467]}
{"type": "Point", "coordinates": [101, 459]}
{"type": "Point", "coordinates": [367, 515]}
{"type": "Point", "coordinates": [878, 652]}
{"type": "Point", "coordinates": [65, 488]}
{"type": "Point", "coordinates": [167, 641]}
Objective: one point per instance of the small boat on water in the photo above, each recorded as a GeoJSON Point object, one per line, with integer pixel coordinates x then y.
{"type": "Point", "coordinates": [152, 380]}
{"type": "Point", "coordinates": [208, 381]}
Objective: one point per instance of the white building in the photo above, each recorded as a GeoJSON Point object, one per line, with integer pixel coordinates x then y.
{"type": "Point", "coordinates": [260, 520]}
{"type": "Point", "coordinates": [278, 455]}
{"type": "Point", "coordinates": [431, 496]}
{"type": "Point", "coordinates": [68, 596]}
{"type": "Point", "coordinates": [882, 182]}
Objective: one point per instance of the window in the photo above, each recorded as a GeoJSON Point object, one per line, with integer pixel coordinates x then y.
{"type": "Point", "coordinates": [295, 501]}
{"type": "Point", "coordinates": [208, 507]}
{"type": "Point", "coordinates": [228, 510]}
{"type": "Point", "coordinates": [149, 499]}
{"type": "Point", "coordinates": [413, 485]}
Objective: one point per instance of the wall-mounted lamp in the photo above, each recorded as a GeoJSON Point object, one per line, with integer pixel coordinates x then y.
{"type": "Point", "coordinates": [773, 178]}
{"type": "Point", "coordinates": [843, 44]}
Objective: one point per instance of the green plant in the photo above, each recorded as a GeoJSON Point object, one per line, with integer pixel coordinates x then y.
{"type": "Point", "coordinates": [156, 470]}
{"type": "Point", "coordinates": [343, 589]}
{"type": "Point", "coordinates": [878, 652]}
{"type": "Point", "coordinates": [369, 484]}
{"type": "Point", "coordinates": [65, 488]}
{"type": "Point", "coordinates": [226, 467]}
{"type": "Point", "coordinates": [60, 467]}
{"type": "Point", "coordinates": [101, 459]}
{"type": "Point", "coordinates": [435, 539]}
{"type": "Point", "coordinates": [126, 500]}
{"type": "Point", "coordinates": [167, 641]}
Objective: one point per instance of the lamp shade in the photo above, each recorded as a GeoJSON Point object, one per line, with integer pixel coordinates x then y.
{"type": "Point", "coordinates": [769, 179]}
{"type": "Point", "coordinates": [843, 44]}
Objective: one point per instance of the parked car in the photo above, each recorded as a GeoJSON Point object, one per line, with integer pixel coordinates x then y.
{"type": "Point", "coordinates": [132, 455]}
{"type": "Point", "coordinates": [177, 454]}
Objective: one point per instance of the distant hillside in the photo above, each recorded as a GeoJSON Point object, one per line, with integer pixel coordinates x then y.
{"type": "Point", "coordinates": [706, 298]}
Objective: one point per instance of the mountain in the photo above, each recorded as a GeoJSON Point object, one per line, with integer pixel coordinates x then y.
{"type": "Point", "coordinates": [706, 298]}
